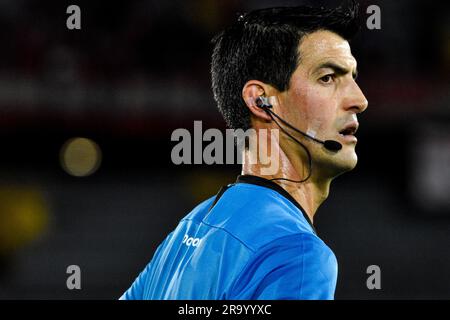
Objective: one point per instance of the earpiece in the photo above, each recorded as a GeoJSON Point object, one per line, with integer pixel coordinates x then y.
{"type": "Point", "coordinates": [263, 102]}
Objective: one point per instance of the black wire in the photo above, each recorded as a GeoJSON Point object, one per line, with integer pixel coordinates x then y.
{"type": "Point", "coordinates": [271, 114]}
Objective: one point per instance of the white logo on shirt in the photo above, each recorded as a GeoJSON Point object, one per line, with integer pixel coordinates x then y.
{"type": "Point", "coordinates": [190, 241]}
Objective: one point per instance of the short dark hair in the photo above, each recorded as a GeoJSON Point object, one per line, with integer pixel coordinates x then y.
{"type": "Point", "coordinates": [263, 45]}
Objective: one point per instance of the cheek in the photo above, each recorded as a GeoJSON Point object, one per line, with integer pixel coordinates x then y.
{"type": "Point", "coordinates": [317, 109]}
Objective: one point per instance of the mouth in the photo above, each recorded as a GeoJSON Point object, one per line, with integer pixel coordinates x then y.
{"type": "Point", "coordinates": [347, 134]}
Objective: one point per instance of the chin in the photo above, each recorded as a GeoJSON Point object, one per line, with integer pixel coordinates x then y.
{"type": "Point", "coordinates": [347, 162]}
{"type": "Point", "coordinates": [344, 162]}
{"type": "Point", "coordinates": [335, 164]}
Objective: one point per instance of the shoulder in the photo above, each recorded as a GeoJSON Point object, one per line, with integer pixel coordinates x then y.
{"type": "Point", "coordinates": [298, 266]}
{"type": "Point", "coordinates": [199, 211]}
{"type": "Point", "coordinates": [295, 248]}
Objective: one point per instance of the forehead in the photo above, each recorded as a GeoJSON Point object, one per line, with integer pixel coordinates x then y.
{"type": "Point", "coordinates": [323, 45]}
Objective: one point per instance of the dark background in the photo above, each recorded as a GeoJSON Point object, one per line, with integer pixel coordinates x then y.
{"type": "Point", "coordinates": [136, 71]}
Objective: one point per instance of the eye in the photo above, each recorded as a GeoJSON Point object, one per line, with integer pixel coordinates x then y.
{"type": "Point", "coordinates": [327, 78]}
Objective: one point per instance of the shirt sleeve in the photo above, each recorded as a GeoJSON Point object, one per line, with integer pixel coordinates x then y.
{"type": "Point", "coordinates": [137, 289]}
{"type": "Point", "coordinates": [291, 268]}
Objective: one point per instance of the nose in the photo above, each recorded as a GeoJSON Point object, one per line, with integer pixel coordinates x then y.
{"type": "Point", "coordinates": [355, 100]}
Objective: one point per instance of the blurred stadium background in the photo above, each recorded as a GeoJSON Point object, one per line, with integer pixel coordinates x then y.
{"type": "Point", "coordinates": [136, 71]}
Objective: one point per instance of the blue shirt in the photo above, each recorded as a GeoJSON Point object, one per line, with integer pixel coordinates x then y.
{"type": "Point", "coordinates": [251, 241]}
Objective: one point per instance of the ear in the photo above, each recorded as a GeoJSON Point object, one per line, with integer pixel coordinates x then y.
{"type": "Point", "coordinates": [252, 90]}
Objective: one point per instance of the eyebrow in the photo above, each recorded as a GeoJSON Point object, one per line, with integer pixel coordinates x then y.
{"type": "Point", "coordinates": [339, 70]}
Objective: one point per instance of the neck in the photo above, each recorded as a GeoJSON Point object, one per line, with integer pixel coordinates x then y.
{"type": "Point", "coordinates": [309, 194]}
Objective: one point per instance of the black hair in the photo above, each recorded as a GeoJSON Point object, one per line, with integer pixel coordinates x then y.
{"type": "Point", "coordinates": [263, 45]}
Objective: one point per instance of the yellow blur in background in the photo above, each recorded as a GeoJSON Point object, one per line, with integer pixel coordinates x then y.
{"type": "Point", "coordinates": [24, 216]}
{"type": "Point", "coordinates": [80, 157]}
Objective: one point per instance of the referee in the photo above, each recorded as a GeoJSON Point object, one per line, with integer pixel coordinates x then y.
{"type": "Point", "coordinates": [289, 69]}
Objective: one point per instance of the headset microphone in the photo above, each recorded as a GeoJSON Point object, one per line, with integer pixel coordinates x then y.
{"type": "Point", "coordinates": [263, 103]}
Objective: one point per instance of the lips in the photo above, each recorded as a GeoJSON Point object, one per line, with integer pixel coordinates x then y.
{"type": "Point", "coordinates": [347, 133]}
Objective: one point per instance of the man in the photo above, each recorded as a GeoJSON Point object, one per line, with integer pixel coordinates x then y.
{"type": "Point", "coordinates": [289, 69]}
